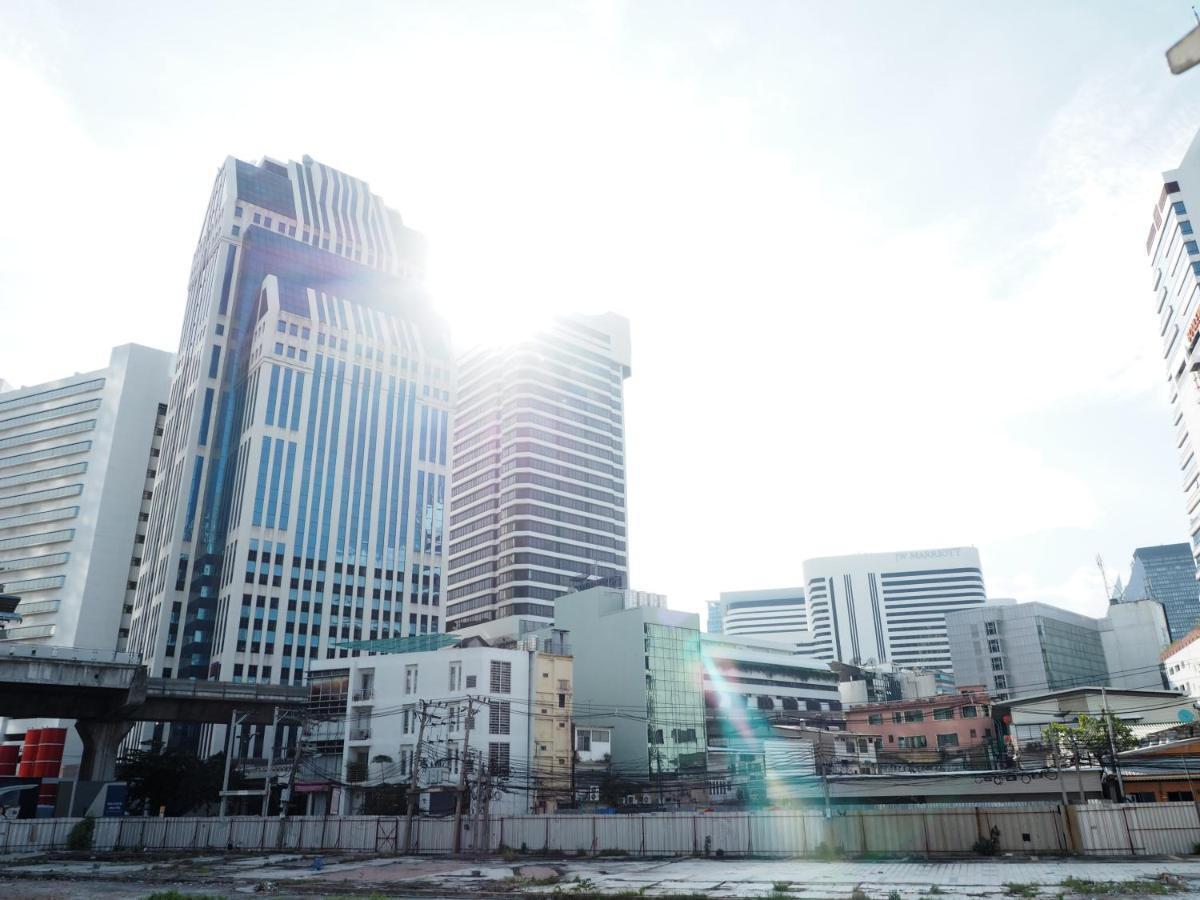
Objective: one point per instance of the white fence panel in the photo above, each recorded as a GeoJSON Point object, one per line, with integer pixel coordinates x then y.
{"type": "Point", "coordinates": [619, 833]}
{"type": "Point", "coordinates": [784, 833]}
{"type": "Point", "coordinates": [572, 834]}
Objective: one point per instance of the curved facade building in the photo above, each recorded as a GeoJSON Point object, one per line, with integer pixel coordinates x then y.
{"type": "Point", "coordinates": [890, 607]}
{"type": "Point", "coordinates": [537, 497]}
{"type": "Point", "coordinates": [777, 614]}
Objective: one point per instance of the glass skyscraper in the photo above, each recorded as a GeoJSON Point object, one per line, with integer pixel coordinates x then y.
{"type": "Point", "coordinates": [303, 474]}
{"type": "Point", "coordinates": [1167, 573]}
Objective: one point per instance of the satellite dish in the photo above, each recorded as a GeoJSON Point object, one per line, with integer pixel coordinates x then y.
{"type": "Point", "coordinates": [1186, 715]}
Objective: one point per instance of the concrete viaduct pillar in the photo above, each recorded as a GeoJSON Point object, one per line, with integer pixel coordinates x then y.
{"type": "Point", "coordinates": [101, 742]}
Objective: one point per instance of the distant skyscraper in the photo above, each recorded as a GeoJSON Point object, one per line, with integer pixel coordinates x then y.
{"type": "Point", "coordinates": [300, 492]}
{"type": "Point", "coordinates": [889, 607]}
{"type": "Point", "coordinates": [77, 463]}
{"type": "Point", "coordinates": [1167, 573]}
{"type": "Point", "coordinates": [1175, 284]}
{"type": "Point", "coordinates": [777, 613]}
{"type": "Point", "coordinates": [537, 505]}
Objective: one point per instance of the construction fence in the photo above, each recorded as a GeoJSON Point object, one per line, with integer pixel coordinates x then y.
{"type": "Point", "coordinates": [1150, 829]}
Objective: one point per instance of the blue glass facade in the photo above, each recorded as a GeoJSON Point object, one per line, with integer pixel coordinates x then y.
{"type": "Point", "coordinates": [1167, 573]}
{"type": "Point", "coordinates": [292, 468]}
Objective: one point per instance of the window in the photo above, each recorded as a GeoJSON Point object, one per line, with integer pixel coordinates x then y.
{"type": "Point", "coordinates": [1180, 209]}
{"type": "Point", "coordinates": [455, 676]}
{"type": "Point", "coordinates": [973, 733]}
{"type": "Point", "coordinates": [968, 712]}
{"type": "Point", "coordinates": [1000, 682]}
{"type": "Point", "coordinates": [1179, 796]}
{"type": "Point", "coordinates": [947, 740]}
{"type": "Point", "coordinates": [408, 719]}
{"type": "Point", "coordinates": [914, 715]}
{"type": "Point", "coordinates": [917, 742]}
{"type": "Point", "coordinates": [897, 717]}
{"type": "Point", "coordinates": [501, 682]}
{"type": "Point", "coordinates": [1191, 248]}
{"type": "Point", "coordinates": [237, 229]}
{"type": "Point", "coordinates": [498, 759]}
{"type": "Point", "coordinates": [1185, 227]}
{"type": "Point", "coordinates": [993, 646]}
{"type": "Point", "coordinates": [237, 212]}
{"type": "Point", "coordinates": [583, 739]}
{"type": "Point", "coordinates": [997, 663]}
{"type": "Point", "coordinates": [406, 754]}
{"type": "Point", "coordinates": [499, 712]}
{"type": "Point", "coordinates": [470, 681]}
{"type": "Point", "coordinates": [943, 713]}
{"type": "Point", "coordinates": [989, 627]}
{"type": "Point", "coordinates": [874, 718]}
{"type": "Point", "coordinates": [410, 679]}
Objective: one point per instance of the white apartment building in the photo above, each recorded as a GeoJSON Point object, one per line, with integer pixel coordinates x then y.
{"type": "Point", "coordinates": [372, 707]}
{"type": "Point", "coordinates": [301, 495]}
{"type": "Point", "coordinates": [537, 504]}
{"type": "Point", "coordinates": [1175, 296]}
{"type": "Point", "coordinates": [889, 607]}
{"type": "Point", "coordinates": [77, 463]}
{"type": "Point", "coordinates": [1181, 661]}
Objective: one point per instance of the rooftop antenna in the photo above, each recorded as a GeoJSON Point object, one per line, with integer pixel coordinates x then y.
{"type": "Point", "coordinates": [1104, 575]}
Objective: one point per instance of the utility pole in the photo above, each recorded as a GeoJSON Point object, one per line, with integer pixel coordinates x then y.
{"type": "Point", "coordinates": [824, 783]}
{"type": "Point", "coordinates": [1112, 744]}
{"type": "Point", "coordinates": [481, 788]}
{"type": "Point", "coordinates": [1078, 770]}
{"type": "Point", "coordinates": [234, 722]}
{"type": "Point", "coordinates": [285, 796]}
{"type": "Point", "coordinates": [413, 788]}
{"type": "Point", "coordinates": [462, 775]}
{"type": "Point", "coordinates": [1058, 768]}
{"type": "Point", "coordinates": [266, 801]}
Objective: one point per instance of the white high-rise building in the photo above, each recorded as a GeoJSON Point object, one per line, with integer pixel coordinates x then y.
{"type": "Point", "coordinates": [301, 490]}
{"type": "Point", "coordinates": [1175, 296]}
{"type": "Point", "coordinates": [77, 462]}
{"type": "Point", "coordinates": [537, 506]}
{"type": "Point", "coordinates": [889, 607]}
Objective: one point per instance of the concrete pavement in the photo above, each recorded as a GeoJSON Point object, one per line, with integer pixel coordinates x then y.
{"type": "Point", "coordinates": [285, 875]}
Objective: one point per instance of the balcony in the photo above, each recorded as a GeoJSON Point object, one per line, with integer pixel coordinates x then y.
{"type": "Point", "coordinates": [363, 695]}
{"type": "Point", "coordinates": [360, 733]}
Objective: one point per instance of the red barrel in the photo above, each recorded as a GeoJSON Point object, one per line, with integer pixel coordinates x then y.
{"type": "Point", "coordinates": [50, 752]}
{"type": "Point", "coordinates": [9, 753]}
{"type": "Point", "coordinates": [29, 752]}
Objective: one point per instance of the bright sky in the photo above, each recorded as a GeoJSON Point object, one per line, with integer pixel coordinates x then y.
{"type": "Point", "coordinates": [884, 262]}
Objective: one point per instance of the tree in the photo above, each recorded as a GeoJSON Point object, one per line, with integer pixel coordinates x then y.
{"type": "Point", "coordinates": [381, 760]}
{"type": "Point", "coordinates": [1088, 740]}
{"type": "Point", "coordinates": [169, 778]}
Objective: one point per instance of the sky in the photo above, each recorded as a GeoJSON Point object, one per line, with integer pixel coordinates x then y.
{"type": "Point", "coordinates": [884, 262]}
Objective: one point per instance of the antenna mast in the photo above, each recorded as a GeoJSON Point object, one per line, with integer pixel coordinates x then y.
{"type": "Point", "coordinates": [1104, 575]}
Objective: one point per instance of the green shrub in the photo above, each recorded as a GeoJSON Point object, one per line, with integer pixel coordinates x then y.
{"type": "Point", "coordinates": [81, 834]}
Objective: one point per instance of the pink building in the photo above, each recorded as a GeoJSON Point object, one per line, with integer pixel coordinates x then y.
{"type": "Point", "coordinates": [929, 729]}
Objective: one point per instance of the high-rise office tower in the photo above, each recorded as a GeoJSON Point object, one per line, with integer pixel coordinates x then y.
{"type": "Point", "coordinates": [1175, 294]}
{"type": "Point", "coordinates": [1166, 573]}
{"type": "Point", "coordinates": [300, 491]}
{"type": "Point", "coordinates": [77, 462]}
{"type": "Point", "coordinates": [537, 506]}
{"type": "Point", "coordinates": [890, 607]}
